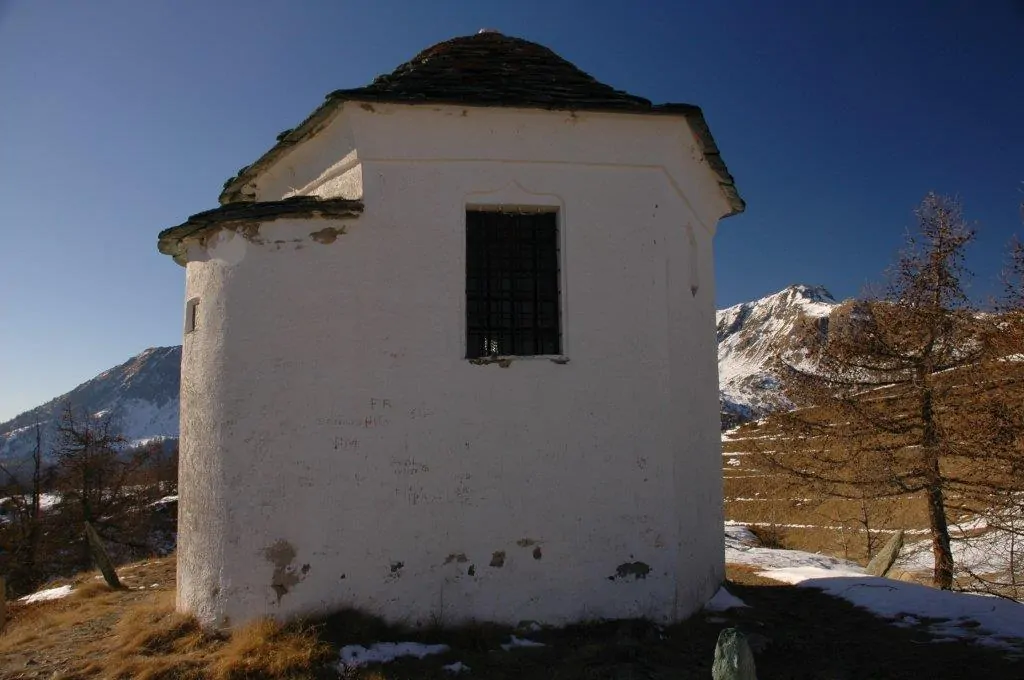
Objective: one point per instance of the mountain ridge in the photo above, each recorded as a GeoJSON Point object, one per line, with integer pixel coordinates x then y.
{"type": "Point", "coordinates": [752, 339]}
{"type": "Point", "coordinates": [140, 395]}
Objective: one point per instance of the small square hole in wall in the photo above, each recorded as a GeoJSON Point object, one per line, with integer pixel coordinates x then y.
{"type": "Point", "coordinates": [191, 314]}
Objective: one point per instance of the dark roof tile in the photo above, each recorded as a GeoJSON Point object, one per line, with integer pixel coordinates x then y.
{"type": "Point", "coordinates": [490, 69]}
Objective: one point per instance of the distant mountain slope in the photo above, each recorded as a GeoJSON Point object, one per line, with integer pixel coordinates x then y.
{"type": "Point", "coordinates": [141, 396]}
{"type": "Point", "coordinates": [752, 337]}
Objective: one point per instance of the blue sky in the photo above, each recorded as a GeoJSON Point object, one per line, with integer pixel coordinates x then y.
{"type": "Point", "coordinates": [119, 118]}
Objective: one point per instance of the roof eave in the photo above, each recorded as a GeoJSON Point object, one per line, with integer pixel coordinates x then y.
{"type": "Point", "coordinates": [172, 241]}
{"type": "Point", "coordinates": [234, 188]}
{"type": "Point", "coordinates": [726, 183]}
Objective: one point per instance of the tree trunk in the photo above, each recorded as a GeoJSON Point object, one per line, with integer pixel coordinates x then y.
{"type": "Point", "coordinates": [943, 574]}
{"type": "Point", "coordinates": [35, 511]}
{"type": "Point", "coordinates": [942, 577]}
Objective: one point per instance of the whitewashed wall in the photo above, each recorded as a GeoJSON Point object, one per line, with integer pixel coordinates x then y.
{"type": "Point", "coordinates": [339, 450]}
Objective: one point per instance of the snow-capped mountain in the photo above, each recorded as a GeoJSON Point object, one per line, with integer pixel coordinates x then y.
{"type": "Point", "coordinates": [140, 396]}
{"type": "Point", "coordinates": [752, 336]}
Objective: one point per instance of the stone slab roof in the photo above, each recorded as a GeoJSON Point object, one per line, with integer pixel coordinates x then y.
{"type": "Point", "coordinates": [240, 216]}
{"type": "Point", "coordinates": [491, 69]}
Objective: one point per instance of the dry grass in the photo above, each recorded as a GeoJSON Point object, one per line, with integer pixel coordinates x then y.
{"type": "Point", "coordinates": [99, 632]}
{"type": "Point", "coordinates": [758, 495]}
{"type": "Point", "coordinates": [268, 650]}
{"type": "Point", "coordinates": [790, 515]}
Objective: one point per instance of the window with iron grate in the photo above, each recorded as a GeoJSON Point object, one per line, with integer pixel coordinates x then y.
{"type": "Point", "coordinates": [512, 292]}
{"type": "Point", "coordinates": [191, 315]}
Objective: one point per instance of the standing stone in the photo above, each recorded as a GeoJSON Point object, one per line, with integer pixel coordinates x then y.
{"type": "Point", "coordinates": [882, 562]}
{"type": "Point", "coordinates": [733, 658]}
{"type": "Point", "coordinates": [100, 557]}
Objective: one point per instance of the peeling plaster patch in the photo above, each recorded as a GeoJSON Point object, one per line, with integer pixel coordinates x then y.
{"type": "Point", "coordinates": [472, 570]}
{"type": "Point", "coordinates": [504, 362]}
{"type": "Point", "coordinates": [281, 554]}
{"type": "Point", "coordinates": [637, 570]}
{"type": "Point", "coordinates": [327, 234]}
{"type": "Point", "coordinates": [537, 554]}
{"type": "Point", "coordinates": [498, 559]}
{"type": "Point", "coordinates": [250, 232]}
{"type": "Point", "coordinates": [396, 567]}
{"type": "Point", "coordinates": [456, 557]}
{"type": "Point", "coordinates": [525, 542]}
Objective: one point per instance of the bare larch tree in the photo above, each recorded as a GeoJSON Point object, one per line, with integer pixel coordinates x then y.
{"type": "Point", "coordinates": [908, 393]}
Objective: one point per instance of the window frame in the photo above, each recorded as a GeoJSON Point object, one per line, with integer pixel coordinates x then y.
{"type": "Point", "coordinates": [191, 315]}
{"type": "Point", "coordinates": [557, 298]}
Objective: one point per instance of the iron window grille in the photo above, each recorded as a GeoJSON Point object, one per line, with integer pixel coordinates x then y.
{"type": "Point", "coordinates": [512, 291]}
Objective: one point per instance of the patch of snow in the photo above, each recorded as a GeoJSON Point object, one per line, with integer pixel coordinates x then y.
{"type": "Point", "coordinates": [739, 535]}
{"type": "Point", "coordinates": [742, 547]}
{"type": "Point", "coordinates": [729, 434]}
{"type": "Point", "coordinates": [977, 546]}
{"type": "Point", "coordinates": [801, 573]}
{"type": "Point", "coordinates": [146, 441]}
{"type": "Point", "coordinates": [520, 642]}
{"type": "Point", "coordinates": [354, 656]}
{"type": "Point", "coordinates": [990, 621]}
{"type": "Point", "coordinates": [457, 667]}
{"type": "Point", "coordinates": [164, 501]}
{"type": "Point", "coordinates": [831, 527]}
{"type": "Point", "coordinates": [724, 600]}
{"type": "Point", "coordinates": [46, 595]}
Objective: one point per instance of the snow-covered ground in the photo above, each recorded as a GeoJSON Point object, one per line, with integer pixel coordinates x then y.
{"type": "Point", "coordinates": [520, 642]}
{"type": "Point", "coordinates": [990, 621]}
{"type": "Point", "coordinates": [986, 551]}
{"type": "Point", "coordinates": [949, 615]}
{"type": "Point", "coordinates": [354, 656]}
{"type": "Point", "coordinates": [742, 547]}
{"type": "Point", "coordinates": [46, 503]}
{"type": "Point", "coordinates": [723, 600]}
